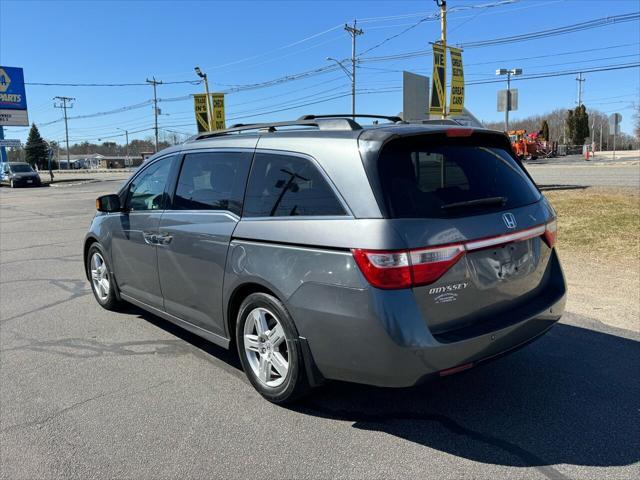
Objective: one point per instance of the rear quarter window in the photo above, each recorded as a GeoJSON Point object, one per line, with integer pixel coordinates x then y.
{"type": "Point", "coordinates": [287, 186]}
{"type": "Point", "coordinates": [421, 177]}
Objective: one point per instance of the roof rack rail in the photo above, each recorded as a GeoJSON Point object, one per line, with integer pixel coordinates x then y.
{"type": "Point", "coordinates": [329, 123]}
{"type": "Point", "coordinates": [391, 118]}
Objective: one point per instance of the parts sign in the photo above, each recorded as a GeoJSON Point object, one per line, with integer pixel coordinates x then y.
{"type": "Point", "coordinates": [13, 98]}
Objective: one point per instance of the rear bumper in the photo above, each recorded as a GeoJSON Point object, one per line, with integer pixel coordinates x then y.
{"type": "Point", "coordinates": [23, 182]}
{"type": "Point", "coordinates": [380, 338]}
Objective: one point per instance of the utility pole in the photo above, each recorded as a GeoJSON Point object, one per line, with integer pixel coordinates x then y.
{"type": "Point", "coordinates": [126, 134]}
{"type": "Point", "coordinates": [443, 39]}
{"type": "Point", "coordinates": [354, 32]}
{"type": "Point", "coordinates": [64, 103]}
{"type": "Point", "coordinates": [155, 83]}
{"type": "Point", "coordinates": [580, 81]}
{"type": "Point", "coordinates": [601, 123]}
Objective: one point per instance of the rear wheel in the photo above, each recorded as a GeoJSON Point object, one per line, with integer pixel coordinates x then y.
{"type": "Point", "coordinates": [101, 279]}
{"type": "Point", "coordinates": [269, 351]}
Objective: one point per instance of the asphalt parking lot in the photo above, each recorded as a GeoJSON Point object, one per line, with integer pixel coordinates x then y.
{"type": "Point", "coordinates": [87, 393]}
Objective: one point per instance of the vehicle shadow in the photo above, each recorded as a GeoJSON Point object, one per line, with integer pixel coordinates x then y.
{"type": "Point", "coordinates": [572, 397]}
{"type": "Point", "coordinates": [220, 357]}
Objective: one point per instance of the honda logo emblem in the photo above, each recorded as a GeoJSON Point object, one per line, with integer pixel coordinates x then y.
{"type": "Point", "coordinates": [509, 220]}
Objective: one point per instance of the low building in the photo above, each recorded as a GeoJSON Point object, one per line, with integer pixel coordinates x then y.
{"type": "Point", "coordinates": [79, 161]}
{"type": "Point", "coordinates": [120, 161]}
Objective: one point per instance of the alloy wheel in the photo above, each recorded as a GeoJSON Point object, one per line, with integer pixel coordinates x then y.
{"type": "Point", "coordinates": [100, 276]}
{"type": "Point", "coordinates": [265, 347]}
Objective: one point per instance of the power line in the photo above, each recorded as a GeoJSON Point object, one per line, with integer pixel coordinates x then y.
{"type": "Point", "coordinates": [576, 27]}
{"type": "Point", "coordinates": [518, 38]}
{"type": "Point", "coordinates": [436, 16]}
{"type": "Point", "coordinates": [604, 68]}
{"type": "Point", "coordinates": [189, 82]}
{"type": "Point", "coordinates": [108, 112]}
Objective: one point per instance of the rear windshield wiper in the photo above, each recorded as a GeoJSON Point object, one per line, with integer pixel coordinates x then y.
{"type": "Point", "coordinates": [478, 202]}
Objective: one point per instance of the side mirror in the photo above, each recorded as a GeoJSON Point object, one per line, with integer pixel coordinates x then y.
{"type": "Point", "coordinates": [108, 203]}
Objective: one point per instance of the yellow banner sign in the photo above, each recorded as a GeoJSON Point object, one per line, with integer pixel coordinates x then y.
{"type": "Point", "coordinates": [456, 104]}
{"type": "Point", "coordinates": [436, 105]}
{"type": "Point", "coordinates": [217, 114]}
{"type": "Point", "coordinates": [200, 108]}
{"type": "Point", "coordinates": [217, 118]}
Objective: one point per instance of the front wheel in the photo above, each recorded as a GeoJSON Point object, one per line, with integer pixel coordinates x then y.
{"type": "Point", "coordinates": [102, 283]}
{"type": "Point", "coordinates": [269, 349]}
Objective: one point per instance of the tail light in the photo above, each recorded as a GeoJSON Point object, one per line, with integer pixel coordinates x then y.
{"type": "Point", "coordinates": [404, 269]}
{"type": "Point", "coordinates": [430, 264]}
{"type": "Point", "coordinates": [551, 233]}
{"type": "Point", "coordinates": [384, 269]}
{"type": "Point", "coordinates": [411, 268]}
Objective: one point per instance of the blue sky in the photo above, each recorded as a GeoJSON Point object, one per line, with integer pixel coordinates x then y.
{"type": "Point", "coordinates": [239, 43]}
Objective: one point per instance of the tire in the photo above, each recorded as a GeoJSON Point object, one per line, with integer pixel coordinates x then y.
{"type": "Point", "coordinates": [265, 349]}
{"type": "Point", "coordinates": [100, 277]}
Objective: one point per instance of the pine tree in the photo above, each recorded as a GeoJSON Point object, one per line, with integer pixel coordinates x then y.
{"type": "Point", "coordinates": [581, 125]}
{"type": "Point", "coordinates": [36, 149]}
{"type": "Point", "coordinates": [570, 125]}
{"type": "Point", "coordinates": [545, 130]}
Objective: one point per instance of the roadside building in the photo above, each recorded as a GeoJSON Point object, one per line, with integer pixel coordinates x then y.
{"type": "Point", "coordinates": [80, 161]}
{"type": "Point", "coordinates": [120, 161]}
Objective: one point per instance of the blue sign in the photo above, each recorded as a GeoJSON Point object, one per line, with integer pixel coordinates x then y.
{"type": "Point", "coordinates": [12, 92]}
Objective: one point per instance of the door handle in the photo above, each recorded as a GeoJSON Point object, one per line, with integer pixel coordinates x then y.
{"type": "Point", "coordinates": [164, 239]}
{"type": "Point", "coordinates": [150, 238]}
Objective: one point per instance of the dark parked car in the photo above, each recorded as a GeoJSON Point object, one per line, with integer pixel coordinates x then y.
{"type": "Point", "coordinates": [19, 174]}
{"type": "Point", "coordinates": [322, 249]}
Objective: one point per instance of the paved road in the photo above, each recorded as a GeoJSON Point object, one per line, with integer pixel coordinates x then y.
{"type": "Point", "coordinates": [573, 171]}
{"type": "Point", "coordinates": [87, 393]}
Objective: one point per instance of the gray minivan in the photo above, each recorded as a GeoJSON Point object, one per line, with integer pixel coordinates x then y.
{"type": "Point", "coordinates": [323, 249]}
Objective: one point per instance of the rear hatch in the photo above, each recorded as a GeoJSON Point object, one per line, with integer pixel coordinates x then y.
{"type": "Point", "coordinates": [479, 234]}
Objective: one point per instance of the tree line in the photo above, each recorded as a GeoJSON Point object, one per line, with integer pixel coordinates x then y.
{"type": "Point", "coordinates": [575, 127]}
{"type": "Point", "coordinates": [36, 149]}
{"type": "Point", "coordinates": [569, 127]}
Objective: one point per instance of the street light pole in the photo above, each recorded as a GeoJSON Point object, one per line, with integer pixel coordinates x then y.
{"type": "Point", "coordinates": [508, 72]}
{"type": "Point", "coordinates": [350, 77]}
{"type": "Point", "coordinates": [206, 89]}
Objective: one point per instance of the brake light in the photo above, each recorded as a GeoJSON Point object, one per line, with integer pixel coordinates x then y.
{"type": "Point", "coordinates": [550, 235]}
{"type": "Point", "coordinates": [459, 132]}
{"type": "Point", "coordinates": [404, 269]}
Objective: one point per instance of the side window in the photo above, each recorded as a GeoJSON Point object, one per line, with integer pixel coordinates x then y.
{"type": "Point", "coordinates": [212, 181]}
{"type": "Point", "coordinates": [284, 185]}
{"type": "Point", "coordinates": [146, 192]}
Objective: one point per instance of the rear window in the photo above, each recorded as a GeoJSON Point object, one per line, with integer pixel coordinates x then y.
{"type": "Point", "coordinates": [437, 177]}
